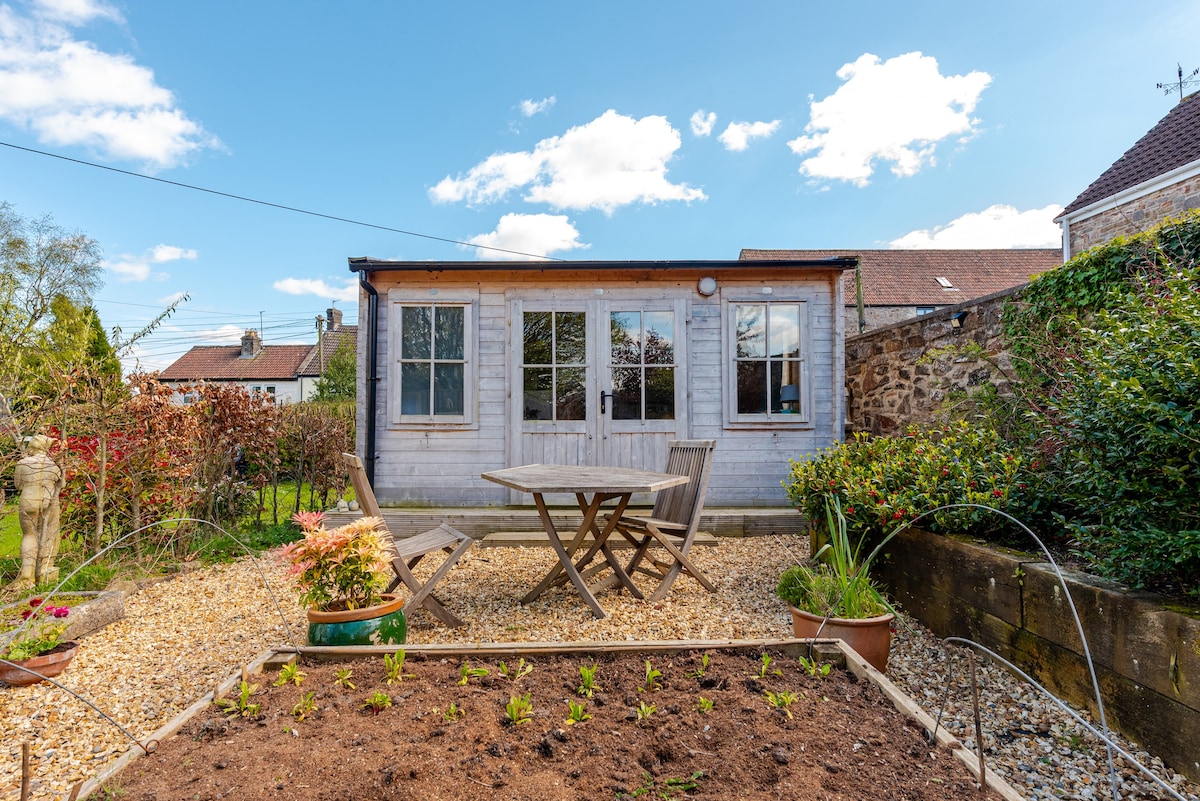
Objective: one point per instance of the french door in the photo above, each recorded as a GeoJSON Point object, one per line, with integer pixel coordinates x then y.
{"type": "Point", "coordinates": [597, 381]}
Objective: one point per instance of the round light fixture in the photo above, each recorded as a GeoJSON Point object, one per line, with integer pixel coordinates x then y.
{"type": "Point", "coordinates": [707, 286]}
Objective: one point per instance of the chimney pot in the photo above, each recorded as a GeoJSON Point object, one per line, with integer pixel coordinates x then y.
{"type": "Point", "coordinates": [251, 344]}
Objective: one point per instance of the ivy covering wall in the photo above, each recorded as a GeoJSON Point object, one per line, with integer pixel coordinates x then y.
{"type": "Point", "coordinates": [1107, 348]}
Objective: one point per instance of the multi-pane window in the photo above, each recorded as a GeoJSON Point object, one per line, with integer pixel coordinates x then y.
{"type": "Point", "coordinates": [433, 361]}
{"type": "Point", "coordinates": [769, 360]}
{"type": "Point", "coordinates": [554, 365]}
{"type": "Point", "coordinates": [643, 365]}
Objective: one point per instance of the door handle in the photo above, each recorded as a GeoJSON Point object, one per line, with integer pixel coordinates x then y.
{"type": "Point", "coordinates": [604, 395]}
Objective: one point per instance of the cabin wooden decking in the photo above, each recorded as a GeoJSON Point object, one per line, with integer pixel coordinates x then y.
{"type": "Point", "coordinates": [521, 525]}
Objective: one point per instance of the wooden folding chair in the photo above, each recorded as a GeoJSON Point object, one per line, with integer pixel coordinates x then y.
{"type": "Point", "coordinates": [673, 522]}
{"type": "Point", "coordinates": [411, 550]}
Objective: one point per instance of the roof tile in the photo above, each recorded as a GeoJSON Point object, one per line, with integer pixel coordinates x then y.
{"type": "Point", "coordinates": [224, 362]}
{"type": "Point", "coordinates": [1174, 142]}
{"type": "Point", "coordinates": [910, 277]}
{"type": "Point", "coordinates": [330, 342]}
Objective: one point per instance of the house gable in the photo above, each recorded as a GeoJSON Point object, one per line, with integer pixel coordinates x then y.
{"type": "Point", "coordinates": [1158, 177]}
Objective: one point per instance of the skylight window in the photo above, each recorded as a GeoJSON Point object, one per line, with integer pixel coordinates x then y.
{"type": "Point", "coordinates": [945, 282]}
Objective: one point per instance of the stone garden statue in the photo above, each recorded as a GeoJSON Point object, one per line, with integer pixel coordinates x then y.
{"type": "Point", "coordinates": [39, 481]}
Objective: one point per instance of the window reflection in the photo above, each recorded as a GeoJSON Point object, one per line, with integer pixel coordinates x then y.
{"type": "Point", "coordinates": [640, 339]}
{"type": "Point", "coordinates": [768, 347]}
{"type": "Point", "coordinates": [433, 360]}
{"type": "Point", "coordinates": [554, 348]}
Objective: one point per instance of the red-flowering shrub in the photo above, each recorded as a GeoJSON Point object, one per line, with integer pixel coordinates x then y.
{"type": "Point", "coordinates": [882, 482]}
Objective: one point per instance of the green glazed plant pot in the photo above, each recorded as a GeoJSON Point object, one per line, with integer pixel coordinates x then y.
{"type": "Point", "coordinates": [870, 637]}
{"type": "Point", "coordinates": [383, 624]}
{"type": "Point", "coordinates": [49, 665]}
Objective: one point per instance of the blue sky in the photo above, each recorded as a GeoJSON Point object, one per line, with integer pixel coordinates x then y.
{"type": "Point", "coordinates": [613, 130]}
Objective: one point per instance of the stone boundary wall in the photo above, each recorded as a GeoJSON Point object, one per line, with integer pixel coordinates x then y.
{"type": "Point", "coordinates": [889, 386]}
{"type": "Point", "coordinates": [1135, 216]}
{"type": "Point", "coordinates": [1145, 653]}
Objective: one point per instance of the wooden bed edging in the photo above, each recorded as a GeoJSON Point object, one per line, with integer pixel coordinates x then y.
{"type": "Point", "coordinates": [89, 786]}
{"type": "Point", "coordinates": [835, 651]}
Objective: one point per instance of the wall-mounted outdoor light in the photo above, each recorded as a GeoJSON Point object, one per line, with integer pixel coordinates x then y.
{"type": "Point", "coordinates": [707, 286]}
{"type": "Point", "coordinates": [956, 319]}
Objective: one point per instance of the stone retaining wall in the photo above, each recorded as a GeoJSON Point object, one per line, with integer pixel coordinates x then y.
{"type": "Point", "coordinates": [1145, 654]}
{"type": "Point", "coordinates": [890, 385]}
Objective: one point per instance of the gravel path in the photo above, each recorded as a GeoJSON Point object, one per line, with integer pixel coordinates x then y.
{"type": "Point", "coordinates": [181, 637]}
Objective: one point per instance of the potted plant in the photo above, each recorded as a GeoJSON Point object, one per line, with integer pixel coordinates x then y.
{"type": "Point", "coordinates": [341, 573]}
{"type": "Point", "coordinates": [835, 597]}
{"type": "Point", "coordinates": [37, 646]}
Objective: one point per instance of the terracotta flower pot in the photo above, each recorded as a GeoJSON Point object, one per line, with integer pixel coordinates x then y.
{"type": "Point", "coordinates": [49, 665]}
{"type": "Point", "coordinates": [871, 637]}
{"type": "Point", "coordinates": [382, 624]}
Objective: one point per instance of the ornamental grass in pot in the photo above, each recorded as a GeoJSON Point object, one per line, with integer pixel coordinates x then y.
{"type": "Point", "coordinates": [341, 573]}
{"type": "Point", "coordinates": [834, 596]}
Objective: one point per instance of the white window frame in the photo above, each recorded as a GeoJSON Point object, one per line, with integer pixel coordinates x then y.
{"type": "Point", "coordinates": [425, 298]}
{"type": "Point", "coordinates": [804, 417]}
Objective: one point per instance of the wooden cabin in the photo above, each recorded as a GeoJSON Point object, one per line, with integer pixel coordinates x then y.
{"type": "Point", "coordinates": [466, 367]}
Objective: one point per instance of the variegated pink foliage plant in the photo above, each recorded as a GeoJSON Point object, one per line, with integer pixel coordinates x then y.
{"type": "Point", "coordinates": [339, 568]}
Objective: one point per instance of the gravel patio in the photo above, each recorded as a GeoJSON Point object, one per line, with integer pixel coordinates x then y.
{"type": "Point", "coordinates": [181, 637]}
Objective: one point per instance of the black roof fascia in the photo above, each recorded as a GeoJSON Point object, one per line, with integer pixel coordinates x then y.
{"type": "Point", "coordinates": [367, 264]}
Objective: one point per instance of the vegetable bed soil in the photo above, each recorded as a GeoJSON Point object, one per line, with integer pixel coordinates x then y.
{"type": "Point", "coordinates": [647, 735]}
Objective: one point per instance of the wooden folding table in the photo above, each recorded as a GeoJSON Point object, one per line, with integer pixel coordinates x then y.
{"type": "Point", "coordinates": [592, 487]}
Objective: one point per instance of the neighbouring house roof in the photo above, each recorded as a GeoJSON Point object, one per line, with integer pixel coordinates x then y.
{"type": "Point", "coordinates": [1173, 143]}
{"type": "Point", "coordinates": [910, 277]}
{"type": "Point", "coordinates": [224, 363]}
{"type": "Point", "coordinates": [329, 344]}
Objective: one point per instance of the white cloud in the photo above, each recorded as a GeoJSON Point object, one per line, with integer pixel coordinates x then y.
{"type": "Point", "coordinates": [737, 135]}
{"type": "Point", "coordinates": [531, 107]}
{"type": "Point", "coordinates": [536, 234]}
{"type": "Point", "coordinates": [609, 162]}
{"type": "Point", "coordinates": [174, 297]}
{"type": "Point", "coordinates": [128, 267]}
{"type": "Point", "coordinates": [76, 12]}
{"type": "Point", "coordinates": [70, 93]}
{"type": "Point", "coordinates": [997, 226]}
{"type": "Point", "coordinates": [702, 122]}
{"type": "Point", "coordinates": [314, 286]}
{"type": "Point", "coordinates": [222, 335]}
{"type": "Point", "coordinates": [897, 111]}
{"type": "Point", "coordinates": [165, 253]}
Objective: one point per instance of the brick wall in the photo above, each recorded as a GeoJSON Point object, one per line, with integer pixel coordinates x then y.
{"type": "Point", "coordinates": [1135, 216]}
{"type": "Point", "coordinates": [887, 384]}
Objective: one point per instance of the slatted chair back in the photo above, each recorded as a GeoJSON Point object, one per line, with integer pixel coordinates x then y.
{"type": "Point", "coordinates": [683, 504]}
{"type": "Point", "coordinates": [407, 552]}
{"type": "Point", "coordinates": [362, 487]}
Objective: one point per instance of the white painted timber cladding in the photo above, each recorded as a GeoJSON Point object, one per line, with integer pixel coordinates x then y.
{"type": "Point", "coordinates": [441, 465]}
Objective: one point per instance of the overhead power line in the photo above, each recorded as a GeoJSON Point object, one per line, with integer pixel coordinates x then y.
{"type": "Point", "coordinates": [245, 199]}
{"type": "Point", "coordinates": [244, 315]}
